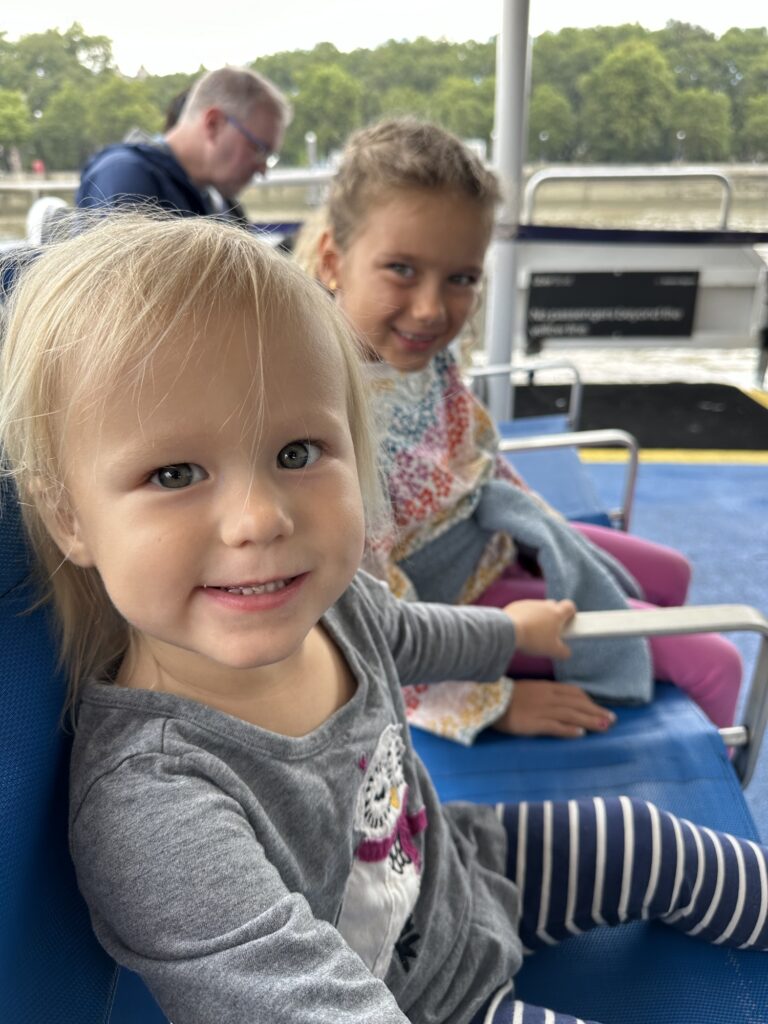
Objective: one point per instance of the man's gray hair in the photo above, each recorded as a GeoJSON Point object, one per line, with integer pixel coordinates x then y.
{"type": "Point", "coordinates": [236, 91]}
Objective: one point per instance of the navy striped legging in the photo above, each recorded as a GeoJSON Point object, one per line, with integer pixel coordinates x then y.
{"type": "Point", "coordinates": [602, 861]}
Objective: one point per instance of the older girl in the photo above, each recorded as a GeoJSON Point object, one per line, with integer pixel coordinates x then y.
{"type": "Point", "coordinates": [409, 220]}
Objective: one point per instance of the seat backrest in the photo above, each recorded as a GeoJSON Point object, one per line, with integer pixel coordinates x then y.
{"type": "Point", "coordinates": [54, 971]}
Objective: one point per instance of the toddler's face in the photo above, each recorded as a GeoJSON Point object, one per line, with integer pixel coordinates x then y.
{"type": "Point", "coordinates": [223, 521]}
{"type": "Point", "coordinates": [410, 277]}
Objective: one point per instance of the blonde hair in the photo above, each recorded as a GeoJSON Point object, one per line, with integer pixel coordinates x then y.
{"type": "Point", "coordinates": [93, 313]}
{"type": "Point", "coordinates": [236, 91]}
{"type": "Point", "coordinates": [403, 153]}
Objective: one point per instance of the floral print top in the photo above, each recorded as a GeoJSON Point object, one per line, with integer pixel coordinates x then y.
{"type": "Point", "coordinates": [440, 446]}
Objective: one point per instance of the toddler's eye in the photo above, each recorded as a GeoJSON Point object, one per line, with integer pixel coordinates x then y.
{"type": "Point", "coordinates": [181, 475]}
{"type": "Point", "coordinates": [298, 454]}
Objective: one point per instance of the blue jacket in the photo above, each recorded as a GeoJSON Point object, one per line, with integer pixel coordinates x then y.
{"type": "Point", "coordinates": [127, 174]}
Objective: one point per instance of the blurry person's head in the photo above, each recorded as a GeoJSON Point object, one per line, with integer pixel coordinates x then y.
{"type": "Point", "coordinates": [229, 128]}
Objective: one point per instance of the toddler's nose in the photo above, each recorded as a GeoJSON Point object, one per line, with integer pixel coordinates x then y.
{"type": "Point", "coordinates": [258, 515]}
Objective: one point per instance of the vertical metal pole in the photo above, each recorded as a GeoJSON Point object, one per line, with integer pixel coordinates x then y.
{"type": "Point", "coordinates": [510, 121]}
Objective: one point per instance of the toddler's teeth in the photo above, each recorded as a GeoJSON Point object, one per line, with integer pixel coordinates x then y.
{"type": "Point", "coordinates": [263, 588]}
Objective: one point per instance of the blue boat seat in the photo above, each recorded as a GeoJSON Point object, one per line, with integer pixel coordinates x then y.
{"type": "Point", "coordinates": [669, 753]}
{"type": "Point", "coordinates": [54, 970]}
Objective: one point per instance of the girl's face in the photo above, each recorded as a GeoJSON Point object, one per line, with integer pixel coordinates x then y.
{"type": "Point", "coordinates": [410, 277]}
{"type": "Point", "coordinates": [223, 520]}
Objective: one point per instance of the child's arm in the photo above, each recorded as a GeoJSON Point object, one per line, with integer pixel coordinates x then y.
{"type": "Point", "coordinates": [434, 642]}
{"type": "Point", "coordinates": [536, 708]}
{"type": "Point", "coordinates": [182, 890]}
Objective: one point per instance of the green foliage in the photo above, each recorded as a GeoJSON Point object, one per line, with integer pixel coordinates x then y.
{"type": "Point", "coordinates": [552, 129]}
{"type": "Point", "coordinates": [43, 62]}
{"type": "Point", "coordinates": [739, 50]}
{"type": "Point", "coordinates": [626, 105]}
{"type": "Point", "coordinates": [756, 128]}
{"type": "Point", "coordinates": [460, 105]}
{"type": "Point", "coordinates": [692, 55]}
{"type": "Point", "coordinates": [562, 59]}
{"type": "Point", "coordinates": [15, 122]}
{"type": "Point", "coordinates": [62, 134]}
{"type": "Point", "coordinates": [161, 90]}
{"type": "Point", "coordinates": [328, 102]}
{"type": "Point", "coordinates": [701, 122]}
{"type": "Point", "coordinates": [115, 106]}
{"type": "Point", "coordinates": [402, 100]}
{"type": "Point", "coordinates": [613, 93]}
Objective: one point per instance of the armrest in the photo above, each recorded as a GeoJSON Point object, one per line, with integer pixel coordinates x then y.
{"type": "Point", "coordinates": [720, 618]}
{"type": "Point", "coordinates": [590, 439]}
{"type": "Point", "coordinates": [530, 370]}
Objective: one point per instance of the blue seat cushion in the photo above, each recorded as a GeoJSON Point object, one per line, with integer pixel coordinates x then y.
{"type": "Point", "coordinates": [642, 973]}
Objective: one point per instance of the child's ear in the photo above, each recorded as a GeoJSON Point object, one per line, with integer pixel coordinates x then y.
{"type": "Point", "coordinates": [62, 524]}
{"type": "Point", "coordinates": [329, 261]}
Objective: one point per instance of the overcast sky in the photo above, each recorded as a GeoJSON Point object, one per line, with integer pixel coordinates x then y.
{"type": "Point", "coordinates": [167, 37]}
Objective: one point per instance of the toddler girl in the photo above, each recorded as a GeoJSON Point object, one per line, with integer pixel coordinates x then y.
{"type": "Point", "coordinates": [409, 220]}
{"type": "Point", "coordinates": [185, 419]}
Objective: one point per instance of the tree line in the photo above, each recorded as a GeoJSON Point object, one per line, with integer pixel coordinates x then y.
{"type": "Point", "coordinates": [620, 94]}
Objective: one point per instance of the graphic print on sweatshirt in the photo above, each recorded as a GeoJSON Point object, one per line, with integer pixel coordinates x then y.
{"type": "Point", "coordinates": [384, 882]}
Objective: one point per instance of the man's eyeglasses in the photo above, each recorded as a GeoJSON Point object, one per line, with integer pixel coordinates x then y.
{"type": "Point", "coordinates": [262, 148]}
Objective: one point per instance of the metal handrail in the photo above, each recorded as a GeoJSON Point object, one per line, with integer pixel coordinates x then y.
{"type": "Point", "coordinates": [604, 438]}
{"type": "Point", "coordinates": [529, 370]}
{"type": "Point", "coordinates": [618, 173]}
{"type": "Point", "coordinates": [723, 618]}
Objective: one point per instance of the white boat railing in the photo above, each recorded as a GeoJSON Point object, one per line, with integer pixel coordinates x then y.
{"type": "Point", "coordinates": [635, 173]}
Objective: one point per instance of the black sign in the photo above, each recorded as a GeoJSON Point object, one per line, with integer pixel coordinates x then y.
{"type": "Point", "coordinates": [606, 305]}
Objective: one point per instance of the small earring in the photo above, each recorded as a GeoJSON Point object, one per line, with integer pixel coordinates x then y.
{"type": "Point", "coordinates": [333, 285]}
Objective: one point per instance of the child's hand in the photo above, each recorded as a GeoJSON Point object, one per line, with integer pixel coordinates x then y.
{"type": "Point", "coordinates": [543, 708]}
{"type": "Point", "coordinates": [538, 625]}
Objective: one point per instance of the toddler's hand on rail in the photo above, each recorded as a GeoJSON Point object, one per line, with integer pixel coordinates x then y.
{"type": "Point", "coordinates": [540, 707]}
{"type": "Point", "coordinates": [539, 625]}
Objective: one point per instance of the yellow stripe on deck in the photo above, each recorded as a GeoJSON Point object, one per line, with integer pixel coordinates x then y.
{"type": "Point", "coordinates": [761, 397]}
{"type": "Point", "coordinates": [689, 456]}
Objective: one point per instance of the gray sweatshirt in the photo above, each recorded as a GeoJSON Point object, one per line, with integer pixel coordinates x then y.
{"type": "Point", "coordinates": [254, 877]}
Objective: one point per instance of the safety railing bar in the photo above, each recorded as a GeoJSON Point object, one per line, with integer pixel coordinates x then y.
{"type": "Point", "coordinates": [606, 437]}
{"type": "Point", "coordinates": [720, 618]}
{"type": "Point", "coordinates": [576, 395]}
{"type": "Point", "coordinates": [619, 173]}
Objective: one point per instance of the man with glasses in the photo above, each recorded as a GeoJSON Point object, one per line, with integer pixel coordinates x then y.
{"type": "Point", "coordinates": [230, 129]}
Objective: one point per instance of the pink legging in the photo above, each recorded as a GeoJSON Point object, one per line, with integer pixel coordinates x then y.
{"type": "Point", "coordinates": [705, 665]}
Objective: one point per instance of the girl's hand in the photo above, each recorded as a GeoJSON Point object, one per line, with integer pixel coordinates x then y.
{"type": "Point", "coordinates": [538, 625]}
{"type": "Point", "coordinates": [542, 708]}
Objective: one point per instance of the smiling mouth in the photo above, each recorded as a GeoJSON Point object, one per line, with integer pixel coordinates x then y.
{"type": "Point", "coordinates": [418, 340]}
{"type": "Point", "coordinates": [249, 589]}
